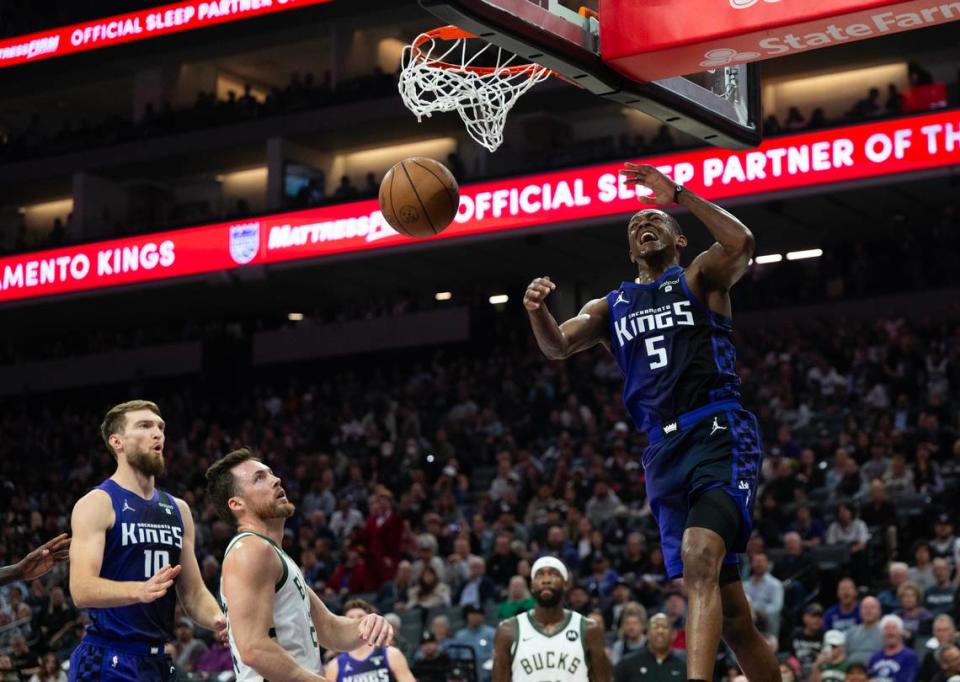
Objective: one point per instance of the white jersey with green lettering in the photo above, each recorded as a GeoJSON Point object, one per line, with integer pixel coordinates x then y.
{"type": "Point", "coordinates": [557, 657]}
{"type": "Point", "coordinates": [292, 625]}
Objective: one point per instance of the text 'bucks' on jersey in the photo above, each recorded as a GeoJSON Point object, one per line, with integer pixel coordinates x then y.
{"type": "Point", "coordinates": [675, 354]}
{"type": "Point", "coordinates": [556, 657]}
{"type": "Point", "coordinates": [373, 668]}
{"type": "Point", "coordinates": [292, 623]}
{"type": "Point", "coordinates": [146, 536]}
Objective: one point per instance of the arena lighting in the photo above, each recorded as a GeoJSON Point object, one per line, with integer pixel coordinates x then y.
{"type": "Point", "coordinates": [497, 299]}
{"type": "Point", "coordinates": [443, 296]}
{"type": "Point", "coordinates": [295, 317]}
{"type": "Point", "coordinates": [800, 255]}
{"type": "Point", "coordinates": [769, 258]}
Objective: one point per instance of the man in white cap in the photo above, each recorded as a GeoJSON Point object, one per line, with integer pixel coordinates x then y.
{"type": "Point", "coordinates": [831, 665]}
{"type": "Point", "coordinates": [550, 643]}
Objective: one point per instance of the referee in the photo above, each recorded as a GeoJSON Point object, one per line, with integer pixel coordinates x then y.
{"type": "Point", "coordinates": [656, 661]}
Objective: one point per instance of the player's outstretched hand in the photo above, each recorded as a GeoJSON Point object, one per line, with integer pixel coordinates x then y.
{"type": "Point", "coordinates": [375, 630]}
{"type": "Point", "coordinates": [151, 590]}
{"type": "Point", "coordinates": [648, 176]}
{"type": "Point", "coordinates": [39, 562]}
{"type": "Point", "coordinates": [220, 629]}
{"type": "Point", "coordinates": [536, 292]}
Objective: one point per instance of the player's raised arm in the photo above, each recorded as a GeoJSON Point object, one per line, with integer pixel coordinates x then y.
{"type": "Point", "coordinates": [599, 668]}
{"type": "Point", "coordinates": [502, 643]}
{"type": "Point", "coordinates": [196, 599]}
{"type": "Point", "coordinates": [92, 517]}
{"type": "Point", "coordinates": [559, 341]}
{"type": "Point", "coordinates": [399, 666]}
{"type": "Point", "coordinates": [346, 634]}
{"type": "Point", "coordinates": [726, 260]}
{"type": "Point", "coordinates": [38, 562]}
{"type": "Point", "coordinates": [250, 573]}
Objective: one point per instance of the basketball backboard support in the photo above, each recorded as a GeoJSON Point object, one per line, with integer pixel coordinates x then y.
{"type": "Point", "coordinates": [720, 106]}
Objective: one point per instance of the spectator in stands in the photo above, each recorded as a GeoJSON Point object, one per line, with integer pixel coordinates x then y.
{"type": "Point", "coordinates": [350, 577]}
{"type": "Point", "coordinates": [603, 579]}
{"type": "Point", "coordinates": [603, 505]}
{"type": "Point", "coordinates": [765, 593]}
{"type": "Point", "coordinates": [476, 634]}
{"type": "Point", "coordinates": [658, 661]}
{"type": "Point", "coordinates": [868, 107]}
{"type": "Point", "coordinates": [894, 662]}
{"type": "Point", "coordinates": [440, 629]}
{"type": "Point", "coordinates": [831, 664]}
{"type": "Point", "coordinates": [838, 470]}
{"type": "Point", "coordinates": [894, 104]}
{"type": "Point", "coordinates": [49, 671]}
{"type": "Point", "coordinates": [797, 571]}
{"type": "Point", "coordinates": [899, 478]}
{"type": "Point", "coordinates": [430, 664]}
{"type": "Point", "coordinates": [857, 672]}
{"type": "Point", "coordinates": [818, 119]}
{"type": "Point", "coordinates": [662, 141]}
{"type": "Point", "coordinates": [502, 565]}
{"type": "Point", "coordinates": [944, 635]}
{"type": "Point", "coordinates": [185, 648]}
{"type": "Point", "coordinates": [866, 639]}
{"type": "Point", "coordinates": [795, 120]}
{"type": "Point", "coordinates": [345, 190]}
{"type": "Point", "coordinates": [393, 595]}
{"type": "Point", "coordinates": [382, 535]}
{"type": "Point", "coordinates": [949, 661]}
{"type": "Point", "coordinates": [898, 573]}
{"type": "Point", "coordinates": [944, 543]}
{"type": "Point", "coordinates": [845, 613]}
{"type": "Point", "coordinates": [921, 572]}
{"type": "Point", "coordinates": [427, 552]}
{"type": "Point", "coordinates": [24, 661]}
{"type": "Point", "coordinates": [518, 599]}
{"type": "Point", "coordinates": [811, 529]}
{"type": "Point", "coordinates": [58, 616]}
{"type": "Point", "coordinates": [916, 619]}
{"type": "Point", "coordinates": [926, 473]}
{"type": "Point", "coordinates": [630, 637]}
{"type": "Point", "coordinates": [458, 567]}
{"type": "Point", "coordinates": [938, 598]}
{"type": "Point", "coordinates": [880, 514]}
{"type": "Point", "coordinates": [346, 519]}
{"type": "Point", "coordinates": [806, 641]}
{"type": "Point", "coordinates": [428, 592]}
{"type": "Point", "coordinates": [478, 589]}
{"type": "Point", "coordinates": [848, 530]}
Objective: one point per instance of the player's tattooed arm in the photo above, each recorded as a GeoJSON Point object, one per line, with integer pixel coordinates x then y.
{"type": "Point", "coordinates": [250, 573]}
{"type": "Point", "coordinates": [502, 644]}
{"type": "Point", "coordinates": [599, 668]}
{"type": "Point", "coordinates": [559, 341]}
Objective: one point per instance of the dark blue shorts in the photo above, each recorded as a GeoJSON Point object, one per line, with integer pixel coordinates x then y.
{"type": "Point", "coordinates": [716, 446]}
{"type": "Point", "coordinates": [96, 659]}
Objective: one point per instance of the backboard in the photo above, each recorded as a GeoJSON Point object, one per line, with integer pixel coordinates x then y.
{"type": "Point", "coordinates": [720, 106]}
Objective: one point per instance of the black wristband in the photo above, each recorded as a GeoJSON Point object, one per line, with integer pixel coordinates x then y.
{"type": "Point", "coordinates": [676, 193]}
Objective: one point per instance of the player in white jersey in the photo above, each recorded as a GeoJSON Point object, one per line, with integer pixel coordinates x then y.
{"type": "Point", "coordinates": [550, 643]}
{"type": "Point", "coordinates": [275, 621]}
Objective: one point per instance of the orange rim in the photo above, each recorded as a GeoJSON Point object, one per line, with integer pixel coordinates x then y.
{"type": "Point", "coordinates": [456, 33]}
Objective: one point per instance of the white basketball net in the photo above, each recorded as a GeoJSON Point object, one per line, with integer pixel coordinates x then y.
{"type": "Point", "coordinates": [442, 74]}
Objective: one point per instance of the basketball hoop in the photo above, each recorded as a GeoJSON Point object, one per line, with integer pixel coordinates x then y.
{"type": "Point", "coordinates": [449, 69]}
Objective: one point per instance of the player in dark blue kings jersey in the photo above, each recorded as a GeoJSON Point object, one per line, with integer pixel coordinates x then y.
{"type": "Point", "coordinates": [132, 542]}
{"type": "Point", "coordinates": [367, 663]}
{"type": "Point", "coordinates": [670, 332]}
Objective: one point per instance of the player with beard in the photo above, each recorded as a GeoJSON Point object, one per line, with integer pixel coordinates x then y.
{"type": "Point", "coordinates": [670, 331]}
{"type": "Point", "coordinates": [550, 643]}
{"type": "Point", "coordinates": [275, 621]}
{"type": "Point", "coordinates": [132, 542]}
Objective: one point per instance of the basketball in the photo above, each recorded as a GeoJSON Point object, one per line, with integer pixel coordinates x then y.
{"type": "Point", "coordinates": [419, 197]}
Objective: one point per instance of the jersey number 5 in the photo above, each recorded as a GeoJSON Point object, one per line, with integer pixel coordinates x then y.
{"type": "Point", "coordinates": [653, 352]}
{"type": "Point", "coordinates": [154, 560]}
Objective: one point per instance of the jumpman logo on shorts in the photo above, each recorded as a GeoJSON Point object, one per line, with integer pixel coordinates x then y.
{"type": "Point", "coordinates": [717, 427]}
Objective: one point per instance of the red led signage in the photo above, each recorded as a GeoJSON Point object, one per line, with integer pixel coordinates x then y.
{"type": "Point", "coordinates": [133, 26]}
{"type": "Point", "coordinates": [809, 159]}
